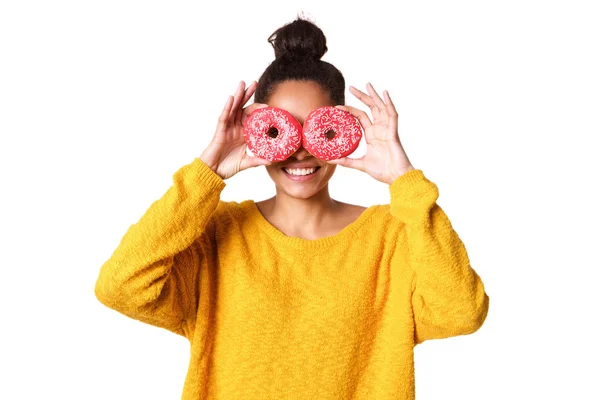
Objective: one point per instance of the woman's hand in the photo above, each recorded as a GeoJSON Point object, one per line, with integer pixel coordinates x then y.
{"type": "Point", "coordinates": [385, 159]}
{"type": "Point", "coordinates": [226, 153]}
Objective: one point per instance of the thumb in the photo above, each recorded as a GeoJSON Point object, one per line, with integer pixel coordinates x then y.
{"type": "Point", "coordinates": [254, 161]}
{"type": "Point", "coordinates": [354, 163]}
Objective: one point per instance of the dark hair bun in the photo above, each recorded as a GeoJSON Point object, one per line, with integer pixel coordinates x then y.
{"type": "Point", "coordinates": [300, 39]}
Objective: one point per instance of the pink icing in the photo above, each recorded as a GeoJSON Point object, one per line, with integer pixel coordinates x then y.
{"type": "Point", "coordinates": [287, 142]}
{"type": "Point", "coordinates": [291, 134]}
{"type": "Point", "coordinates": [343, 123]}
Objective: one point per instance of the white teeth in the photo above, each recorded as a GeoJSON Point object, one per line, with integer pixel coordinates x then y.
{"type": "Point", "coordinates": [300, 171]}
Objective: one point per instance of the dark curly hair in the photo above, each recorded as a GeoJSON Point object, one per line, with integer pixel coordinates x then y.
{"type": "Point", "coordinates": [299, 46]}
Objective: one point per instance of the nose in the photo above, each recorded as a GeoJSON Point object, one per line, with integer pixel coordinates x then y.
{"type": "Point", "coordinates": [301, 154]}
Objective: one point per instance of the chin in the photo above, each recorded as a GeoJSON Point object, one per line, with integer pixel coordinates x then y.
{"type": "Point", "coordinates": [300, 193]}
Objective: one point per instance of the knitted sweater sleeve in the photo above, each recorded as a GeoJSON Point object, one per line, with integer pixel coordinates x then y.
{"type": "Point", "coordinates": [153, 275]}
{"type": "Point", "coordinates": [448, 296]}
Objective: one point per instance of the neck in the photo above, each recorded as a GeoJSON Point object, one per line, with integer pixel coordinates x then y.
{"type": "Point", "coordinates": [298, 215]}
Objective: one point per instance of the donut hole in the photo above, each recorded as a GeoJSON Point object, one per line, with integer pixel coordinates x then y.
{"type": "Point", "coordinates": [273, 132]}
{"type": "Point", "coordinates": [330, 134]}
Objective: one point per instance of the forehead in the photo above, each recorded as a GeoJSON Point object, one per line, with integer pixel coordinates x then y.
{"type": "Point", "coordinates": [299, 98]}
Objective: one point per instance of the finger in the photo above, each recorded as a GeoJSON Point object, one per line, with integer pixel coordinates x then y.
{"type": "Point", "coordinates": [239, 92]}
{"type": "Point", "coordinates": [376, 98]}
{"type": "Point", "coordinates": [247, 94]}
{"type": "Point", "coordinates": [362, 116]}
{"type": "Point", "coordinates": [392, 112]}
{"type": "Point", "coordinates": [254, 161]}
{"type": "Point", "coordinates": [224, 117]}
{"type": "Point", "coordinates": [365, 98]}
{"type": "Point", "coordinates": [369, 101]}
{"type": "Point", "coordinates": [390, 104]}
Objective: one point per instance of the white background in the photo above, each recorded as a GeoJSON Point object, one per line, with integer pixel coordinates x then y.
{"type": "Point", "coordinates": [101, 102]}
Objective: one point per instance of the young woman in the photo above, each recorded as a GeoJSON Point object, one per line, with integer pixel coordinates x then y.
{"type": "Point", "coordinates": [299, 296]}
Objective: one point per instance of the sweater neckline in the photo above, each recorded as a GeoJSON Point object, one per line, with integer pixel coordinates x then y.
{"type": "Point", "coordinates": [300, 243]}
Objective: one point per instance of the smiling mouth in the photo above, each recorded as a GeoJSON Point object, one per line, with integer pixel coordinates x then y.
{"type": "Point", "coordinates": [300, 171]}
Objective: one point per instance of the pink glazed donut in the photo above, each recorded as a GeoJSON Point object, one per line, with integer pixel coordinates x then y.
{"type": "Point", "coordinates": [272, 133]}
{"type": "Point", "coordinates": [330, 133]}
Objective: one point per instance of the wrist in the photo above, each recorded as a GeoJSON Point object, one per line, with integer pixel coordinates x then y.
{"type": "Point", "coordinates": [209, 159]}
{"type": "Point", "coordinates": [398, 173]}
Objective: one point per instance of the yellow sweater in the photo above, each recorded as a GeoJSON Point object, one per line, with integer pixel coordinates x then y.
{"type": "Point", "coordinates": [270, 316]}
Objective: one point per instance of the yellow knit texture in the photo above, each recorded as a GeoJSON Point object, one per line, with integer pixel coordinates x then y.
{"type": "Point", "coordinates": [270, 316]}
